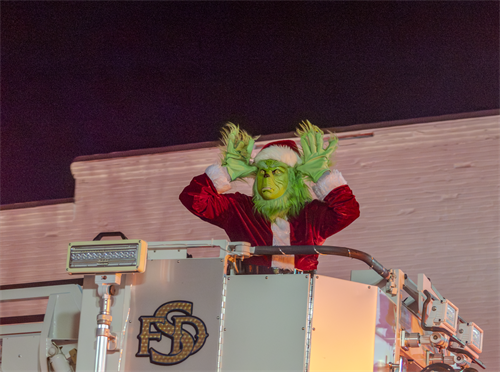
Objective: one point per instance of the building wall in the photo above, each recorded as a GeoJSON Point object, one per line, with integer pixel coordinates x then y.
{"type": "Point", "coordinates": [429, 196]}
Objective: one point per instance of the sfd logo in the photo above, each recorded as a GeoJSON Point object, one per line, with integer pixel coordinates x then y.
{"type": "Point", "coordinates": [183, 345]}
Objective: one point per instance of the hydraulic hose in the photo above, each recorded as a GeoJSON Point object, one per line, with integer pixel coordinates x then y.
{"type": "Point", "coordinates": [441, 367]}
{"type": "Point", "coordinates": [327, 250]}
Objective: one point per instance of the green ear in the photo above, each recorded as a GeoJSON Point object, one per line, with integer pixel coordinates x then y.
{"type": "Point", "coordinates": [316, 159]}
{"type": "Point", "coordinates": [236, 152]}
{"type": "Point", "coordinates": [236, 141]}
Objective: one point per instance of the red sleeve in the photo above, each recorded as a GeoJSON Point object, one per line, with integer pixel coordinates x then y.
{"type": "Point", "coordinates": [323, 219]}
{"type": "Point", "coordinates": [306, 262]}
{"type": "Point", "coordinates": [337, 211]}
{"type": "Point", "coordinates": [201, 198]}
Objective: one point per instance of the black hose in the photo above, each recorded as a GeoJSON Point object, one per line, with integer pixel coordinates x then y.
{"type": "Point", "coordinates": [328, 250]}
{"type": "Point", "coordinates": [441, 367]}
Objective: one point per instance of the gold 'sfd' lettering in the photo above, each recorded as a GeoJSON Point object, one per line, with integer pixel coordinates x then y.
{"type": "Point", "coordinates": [183, 343]}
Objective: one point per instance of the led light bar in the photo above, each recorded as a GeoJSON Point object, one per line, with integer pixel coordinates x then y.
{"type": "Point", "coordinates": [471, 335]}
{"type": "Point", "coordinates": [443, 314]}
{"type": "Point", "coordinates": [107, 256]}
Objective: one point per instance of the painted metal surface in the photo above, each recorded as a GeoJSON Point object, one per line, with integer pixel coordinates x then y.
{"type": "Point", "coordinates": [178, 282]}
{"type": "Point", "coordinates": [265, 323]}
{"type": "Point", "coordinates": [344, 323]}
{"type": "Point", "coordinates": [18, 355]}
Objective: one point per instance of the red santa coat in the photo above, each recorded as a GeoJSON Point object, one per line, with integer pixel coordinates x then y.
{"type": "Point", "coordinates": [234, 213]}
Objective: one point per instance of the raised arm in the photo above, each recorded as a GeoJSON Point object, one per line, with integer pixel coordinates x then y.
{"type": "Point", "coordinates": [336, 207]}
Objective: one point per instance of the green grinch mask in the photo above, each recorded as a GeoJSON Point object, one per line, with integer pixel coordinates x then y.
{"type": "Point", "coordinates": [293, 191]}
{"type": "Point", "coordinates": [272, 179]}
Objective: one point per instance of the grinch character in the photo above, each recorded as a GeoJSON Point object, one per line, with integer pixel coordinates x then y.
{"type": "Point", "coordinates": [281, 210]}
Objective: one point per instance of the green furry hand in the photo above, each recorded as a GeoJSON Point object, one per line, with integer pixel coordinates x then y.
{"type": "Point", "coordinates": [316, 160]}
{"type": "Point", "coordinates": [237, 151]}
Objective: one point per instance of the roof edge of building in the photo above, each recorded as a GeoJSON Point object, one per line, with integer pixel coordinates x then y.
{"type": "Point", "coordinates": [270, 137]}
{"type": "Point", "coordinates": [38, 203]}
{"type": "Point", "coordinates": [277, 136]}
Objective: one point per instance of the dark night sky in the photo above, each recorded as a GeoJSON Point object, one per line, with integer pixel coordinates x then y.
{"type": "Point", "coordinates": [81, 78]}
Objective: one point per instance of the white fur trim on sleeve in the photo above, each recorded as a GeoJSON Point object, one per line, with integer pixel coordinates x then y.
{"type": "Point", "coordinates": [220, 177]}
{"type": "Point", "coordinates": [327, 182]}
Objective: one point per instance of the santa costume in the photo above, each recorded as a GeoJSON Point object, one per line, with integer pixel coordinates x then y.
{"type": "Point", "coordinates": [335, 208]}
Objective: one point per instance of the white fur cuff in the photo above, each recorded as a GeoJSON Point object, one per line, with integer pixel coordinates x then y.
{"type": "Point", "coordinates": [327, 182]}
{"type": "Point", "coordinates": [220, 177]}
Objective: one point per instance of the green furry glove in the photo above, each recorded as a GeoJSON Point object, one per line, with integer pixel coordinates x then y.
{"type": "Point", "coordinates": [237, 151]}
{"type": "Point", "coordinates": [315, 159]}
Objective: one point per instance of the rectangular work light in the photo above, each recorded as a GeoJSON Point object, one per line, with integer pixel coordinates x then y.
{"type": "Point", "coordinates": [471, 335]}
{"type": "Point", "coordinates": [443, 314]}
{"type": "Point", "coordinates": [107, 256]}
